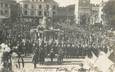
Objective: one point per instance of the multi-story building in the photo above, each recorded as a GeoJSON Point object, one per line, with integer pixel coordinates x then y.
{"type": "Point", "coordinates": [88, 13]}
{"type": "Point", "coordinates": [31, 9]}
{"type": "Point", "coordinates": [110, 13]}
{"type": "Point", "coordinates": [65, 13]}
{"type": "Point", "coordinates": [97, 14]}
{"type": "Point", "coordinates": [6, 8]}
{"type": "Point", "coordinates": [84, 11]}
{"type": "Point", "coordinates": [94, 13]}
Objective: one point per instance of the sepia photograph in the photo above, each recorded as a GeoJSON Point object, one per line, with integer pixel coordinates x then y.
{"type": "Point", "coordinates": [57, 35]}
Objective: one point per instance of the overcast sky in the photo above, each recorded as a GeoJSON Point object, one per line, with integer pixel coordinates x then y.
{"type": "Point", "coordinates": [68, 2]}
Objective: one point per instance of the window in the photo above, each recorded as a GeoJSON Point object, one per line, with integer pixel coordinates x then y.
{"type": "Point", "coordinates": [40, 13]}
{"type": "Point", "coordinates": [32, 6]}
{"type": "Point", "coordinates": [6, 5]}
{"type": "Point", "coordinates": [54, 13]}
{"type": "Point", "coordinates": [1, 12]}
{"type": "Point", "coordinates": [47, 6]}
{"type": "Point", "coordinates": [45, 13]}
{"type": "Point", "coordinates": [1, 4]}
{"type": "Point", "coordinates": [26, 6]}
{"type": "Point", "coordinates": [6, 12]}
{"type": "Point", "coordinates": [32, 13]}
{"type": "Point", "coordinates": [25, 12]}
{"type": "Point", "coordinates": [40, 6]}
{"type": "Point", "coordinates": [54, 7]}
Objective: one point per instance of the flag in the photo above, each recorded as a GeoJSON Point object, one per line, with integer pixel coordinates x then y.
{"type": "Point", "coordinates": [90, 61]}
{"type": "Point", "coordinates": [112, 57]}
{"type": "Point", "coordinates": [103, 63]}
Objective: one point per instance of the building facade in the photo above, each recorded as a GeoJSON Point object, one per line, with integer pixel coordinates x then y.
{"type": "Point", "coordinates": [84, 11]}
{"type": "Point", "coordinates": [110, 13]}
{"type": "Point", "coordinates": [97, 14]}
{"type": "Point", "coordinates": [30, 9]}
{"type": "Point", "coordinates": [94, 13]}
{"type": "Point", "coordinates": [88, 13]}
{"type": "Point", "coordinates": [5, 8]}
{"type": "Point", "coordinates": [65, 13]}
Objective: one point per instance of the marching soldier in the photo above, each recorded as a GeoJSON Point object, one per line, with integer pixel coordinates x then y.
{"type": "Point", "coordinates": [52, 54]}
{"type": "Point", "coordinates": [60, 54]}
{"type": "Point", "coordinates": [35, 57]}
{"type": "Point", "coordinates": [42, 55]}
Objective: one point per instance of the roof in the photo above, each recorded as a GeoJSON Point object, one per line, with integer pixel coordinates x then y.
{"type": "Point", "coordinates": [8, 1]}
{"type": "Point", "coordinates": [48, 1]}
{"type": "Point", "coordinates": [52, 1]}
{"type": "Point", "coordinates": [66, 11]}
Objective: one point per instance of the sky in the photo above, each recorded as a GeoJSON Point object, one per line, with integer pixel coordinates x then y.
{"type": "Point", "coordinates": [68, 2]}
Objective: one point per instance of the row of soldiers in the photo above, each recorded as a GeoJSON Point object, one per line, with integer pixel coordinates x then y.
{"type": "Point", "coordinates": [70, 50]}
{"type": "Point", "coordinates": [51, 51]}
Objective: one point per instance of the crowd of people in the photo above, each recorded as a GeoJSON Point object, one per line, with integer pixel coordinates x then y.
{"type": "Point", "coordinates": [39, 52]}
{"type": "Point", "coordinates": [43, 50]}
{"type": "Point", "coordinates": [69, 45]}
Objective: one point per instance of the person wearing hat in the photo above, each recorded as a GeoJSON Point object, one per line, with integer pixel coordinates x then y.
{"type": "Point", "coordinates": [35, 58]}
{"type": "Point", "coordinates": [42, 55]}
{"type": "Point", "coordinates": [60, 54]}
{"type": "Point", "coordinates": [52, 54]}
{"type": "Point", "coordinates": [6, 57]}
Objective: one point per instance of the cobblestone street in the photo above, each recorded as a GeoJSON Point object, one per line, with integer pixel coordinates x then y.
{"type": "Point", "coordinates": [67, 65]}
{"type": "Point", "coordinates": [45, 68]}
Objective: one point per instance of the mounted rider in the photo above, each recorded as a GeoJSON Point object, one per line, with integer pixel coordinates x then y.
{"type": "Point", "coordinates": [5, 56]}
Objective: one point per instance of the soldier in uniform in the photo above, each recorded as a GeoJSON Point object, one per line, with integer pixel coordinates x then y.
{"type": "Point", "coordinates": [42, 54]}
{"type": "Point", "coordinates": [60, 54]}
{"type": "Point", "coordinates": [35, 56]}
{"type": "Point", "coordinates": [52, 54]}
